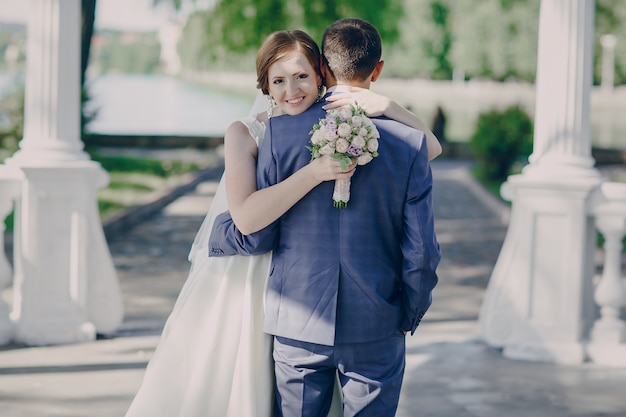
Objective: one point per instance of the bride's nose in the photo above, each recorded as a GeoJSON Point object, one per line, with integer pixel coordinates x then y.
{"type": "Point", "coordinates": [292, 87]}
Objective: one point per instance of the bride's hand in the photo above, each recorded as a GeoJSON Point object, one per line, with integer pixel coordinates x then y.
{"type": "Point", "coordinates": [374, 104]}
{"type": "Point", "coordinates": [327, 168]}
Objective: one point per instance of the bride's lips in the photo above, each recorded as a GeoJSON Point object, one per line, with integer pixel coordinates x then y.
{"type": "Point", "coordinates": [295, 101]}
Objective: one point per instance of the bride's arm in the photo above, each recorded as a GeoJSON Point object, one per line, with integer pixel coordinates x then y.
{"type": "Point", "coordinates": [252, 209]}
{"type": "Point", "coordinates": [377, 105]}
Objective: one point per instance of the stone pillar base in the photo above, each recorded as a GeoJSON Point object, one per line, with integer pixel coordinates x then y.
{"type": "Point", "coordinates": [7, 329]}
{"type": "Point", "coordinates": [65, 283]}
{"type": "Point", "coordinates": [539, 301]}
{"type": "Point", "coordinates": [562, 353]}
{"type": "Point", "coordinates": [608, 355]}
{"type": "Point", "coordinates": [608, 343]}
{"type": "Point", "coordinates": [54, 332]}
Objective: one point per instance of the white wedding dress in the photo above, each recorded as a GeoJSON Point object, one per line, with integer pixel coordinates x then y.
{"type": "Point", "coordinates": [213, 359]}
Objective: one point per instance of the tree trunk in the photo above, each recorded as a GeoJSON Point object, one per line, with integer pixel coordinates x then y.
{"type": "Point", "coordinates": [89, 16]}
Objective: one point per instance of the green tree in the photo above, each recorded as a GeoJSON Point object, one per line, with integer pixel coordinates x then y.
{"type": "Point", "coordinates": [501, 138]}
{"type": "Point", "coordinates": [610, 18]}
{"type": "Point", "coordinates": [496, 38]}
{"type": "Point", "coordinates": [89, 17]}
{"type": "Point", "coordinates": [239, 26]}
{"type": "Point", "coordinates": [439, 48]}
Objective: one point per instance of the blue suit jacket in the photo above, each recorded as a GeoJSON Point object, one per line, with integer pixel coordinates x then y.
{"type": "Point", "coordinates": [356, 274]}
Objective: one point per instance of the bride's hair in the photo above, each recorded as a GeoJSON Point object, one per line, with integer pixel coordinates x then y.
{"type": "Point", "coordinates": [279, 44]}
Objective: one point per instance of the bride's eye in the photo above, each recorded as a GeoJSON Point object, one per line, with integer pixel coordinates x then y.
{"type": "Point", "coordinates": [277, 81]}
{"type": "Point", "coordinates": [303, 76]}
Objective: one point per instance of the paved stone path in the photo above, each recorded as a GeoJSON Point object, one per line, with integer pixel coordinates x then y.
{"type": "Point", "coordinates": [450, 372]}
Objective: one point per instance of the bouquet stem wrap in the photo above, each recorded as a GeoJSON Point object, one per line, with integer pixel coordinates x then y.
{"type": "Point", "coordinates": [341, 194]}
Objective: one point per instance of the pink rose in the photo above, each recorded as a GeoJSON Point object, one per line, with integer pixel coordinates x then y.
{"type": "Point", "coordinates": [341, 145]}
{"type": "Point", "coordinates": [358, 141]}
{"type": "Point", "coordinates": [345, 113]}
{"type": "Point", "coordinates": [317, 137]}
{"type": "Point", "coordinates": [344, 130]}
{"type": "Point", "coordinates": [357, 121]}
{"type": "Point", "coordinates": [372, 145]}
{"type": "Point", "coordinates": [328, 134]}
{"type": "Point", "coordinates": [327, 150]}
{"type": "Point", "coordinates": [364, 158]}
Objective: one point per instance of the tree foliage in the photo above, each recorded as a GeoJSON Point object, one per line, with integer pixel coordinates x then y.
{"type": "Point", "coordinates": [501, 138]}
{"type": "Point", "coordinates": [494, 39]}
{"type": "Point", "coordinates": [239, 26]}
{"type": "Point", "coordinates": [611, 19]}
{"type": "Point", "coordinates": [440, 50]}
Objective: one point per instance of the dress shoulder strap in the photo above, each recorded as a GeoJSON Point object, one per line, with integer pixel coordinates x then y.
{"type": "Point", "coordinates": [255, 127]}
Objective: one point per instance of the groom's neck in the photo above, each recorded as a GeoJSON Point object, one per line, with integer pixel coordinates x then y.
{"type": "Point", "coordinates": [361, 84]}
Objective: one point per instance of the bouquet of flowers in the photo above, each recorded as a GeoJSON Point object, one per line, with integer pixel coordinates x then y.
{"type": "Point", "coordinates": [345, 133]}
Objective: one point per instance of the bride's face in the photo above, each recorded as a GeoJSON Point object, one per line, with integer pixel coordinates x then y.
{"type": "Point", "coordinates": [293, 83]}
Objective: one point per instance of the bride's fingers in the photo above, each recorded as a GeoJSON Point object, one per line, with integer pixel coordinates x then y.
{"type": "Point", "coordinates": [339, 168]}
{"type": "Point", "coordinates": [338, 101]}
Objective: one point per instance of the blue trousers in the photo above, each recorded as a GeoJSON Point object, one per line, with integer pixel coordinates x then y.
{"type": "Point", "coordinates": [370, 375]}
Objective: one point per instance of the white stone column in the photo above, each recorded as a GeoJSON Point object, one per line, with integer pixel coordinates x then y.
{"type": "Point", "coordinates": [539, 302]}
{"type": "Point", "coordinates": [9, 191]}
{"type": "Point", "coordinates": [607, 339]}
{"type": "Point", "coordinates": [608, 43]}
{"type": "Point", "coordinates": [63, 269]}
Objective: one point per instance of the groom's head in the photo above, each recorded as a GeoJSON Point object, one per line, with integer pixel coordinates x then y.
{"type": "Point", "coordinates": [351, 51]}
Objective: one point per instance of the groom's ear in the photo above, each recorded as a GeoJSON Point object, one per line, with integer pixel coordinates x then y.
{"type": "Point", "coordinates": [377, 70]}
{"type": "Point", "coordinates": [324, 68]}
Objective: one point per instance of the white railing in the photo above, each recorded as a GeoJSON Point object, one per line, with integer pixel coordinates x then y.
{"type": "Point", "coordinates": [607, 339]}
{"type": "Point", "coordinates": [10, 187]}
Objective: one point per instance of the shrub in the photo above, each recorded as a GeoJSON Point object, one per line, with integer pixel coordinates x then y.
{"type": "Point", "coordinates": [501, 138]}
{"type": "Point", "coordinates": [147, 166]}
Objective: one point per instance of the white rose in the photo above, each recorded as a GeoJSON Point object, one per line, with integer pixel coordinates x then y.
{"type": "Point", "coordinates": [364, 158]}
{"type": "Point", "coordinates": [326, 134]}
{"type": "Point", "coordinates": [345, 113]}
{"type": "Point", "coordinates": [344, 130]}
{"type": "Point", "coordinates": [357, 121]}
{"type": "Point", "coordinates": [363, 132]}
{"type": "Point", "coordinates": [372, 145]}
{"type": "Point", "coordinates": [327, 150]}
{"type": "Point", "coordinates": [317, 137]}
{"type": "Point", "coordinates": [358, 141]}
{"type": "Point", "coordinates": [341, 145]}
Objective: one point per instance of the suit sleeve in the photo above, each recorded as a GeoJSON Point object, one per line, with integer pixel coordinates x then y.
{"type": "Point", "coordinates": [226, 239]}
{"type": "Point", "coordinates": [421, 253]}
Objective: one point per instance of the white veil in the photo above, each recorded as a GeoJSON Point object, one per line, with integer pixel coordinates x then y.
{"type": "Point", "coordinates": [220, 204]}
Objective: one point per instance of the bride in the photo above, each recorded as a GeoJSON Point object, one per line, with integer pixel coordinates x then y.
{"type": "Point", "coordinates": [213, 359]}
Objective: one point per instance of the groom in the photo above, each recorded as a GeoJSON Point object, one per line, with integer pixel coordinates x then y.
{"type": "Point", "coordinates": [346, 284]}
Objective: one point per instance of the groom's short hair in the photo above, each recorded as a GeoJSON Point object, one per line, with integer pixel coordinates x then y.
{"type": "Point", "coordinates": [351, 48]}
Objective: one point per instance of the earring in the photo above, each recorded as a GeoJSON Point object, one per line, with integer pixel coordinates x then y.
{"type": "Point", "coordinates": [271, 104]}
{"type": "Point", "coordinates": [320, 93]}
